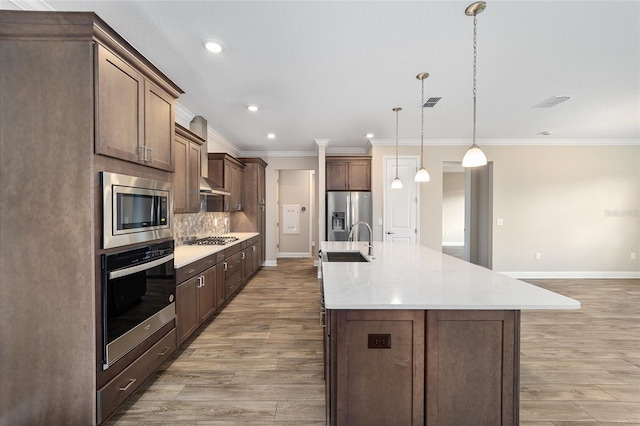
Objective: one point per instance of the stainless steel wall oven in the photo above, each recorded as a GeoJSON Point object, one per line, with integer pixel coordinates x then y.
{"type": "Point", "coordinates": [138, 297]}
{"type": "Point", "coordinates": [134, 210]}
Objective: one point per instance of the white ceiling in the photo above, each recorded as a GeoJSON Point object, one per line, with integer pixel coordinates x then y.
{"type": "Point", "coordinates": [335, 69]}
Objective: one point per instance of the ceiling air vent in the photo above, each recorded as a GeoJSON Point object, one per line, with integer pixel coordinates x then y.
{"type": "Point", "coordinates": [431, 102]}
{"type": "Point", "coordinates": [551, 102]}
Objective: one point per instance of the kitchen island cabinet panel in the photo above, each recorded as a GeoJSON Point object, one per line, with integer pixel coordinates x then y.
{"type": "Point", "coordinates": [380, 385]}
{"type": "Point", "coordinates": [472, 375]}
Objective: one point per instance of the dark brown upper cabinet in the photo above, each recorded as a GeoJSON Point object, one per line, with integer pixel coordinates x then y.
{"type": "Point", "coordinates": [348, 173]}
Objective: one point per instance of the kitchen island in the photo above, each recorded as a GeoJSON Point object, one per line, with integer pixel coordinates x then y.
{"type": "Point", "coordinates": [413, 336]}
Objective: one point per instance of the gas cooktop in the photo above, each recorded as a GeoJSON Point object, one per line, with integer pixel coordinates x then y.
{"type": "Point", "coordinates": [214, 241]}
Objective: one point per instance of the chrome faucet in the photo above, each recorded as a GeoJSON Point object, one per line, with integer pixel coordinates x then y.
{"type": "Point", "coordinates": [350, 237]}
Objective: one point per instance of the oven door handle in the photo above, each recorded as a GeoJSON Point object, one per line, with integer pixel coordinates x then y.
{"type": "Point", "coordinates": [137, 268]}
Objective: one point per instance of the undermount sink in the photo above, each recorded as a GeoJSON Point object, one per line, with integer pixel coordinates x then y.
{"type": "Point", "coordinates": [343, 256]}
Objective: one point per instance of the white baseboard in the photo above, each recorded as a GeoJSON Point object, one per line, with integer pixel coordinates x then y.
{"type": "Point", "coordinates": [453, 244]}
{"type": "Point", "coordinates": [270, 263]}
{"type": "Point", "coordinates": [574, 274]}
{"type": "Point", "coordinates": [294, 254]}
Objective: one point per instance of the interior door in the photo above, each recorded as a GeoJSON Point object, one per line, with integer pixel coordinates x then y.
{"type": "Point", "coordinates": [401, 206]}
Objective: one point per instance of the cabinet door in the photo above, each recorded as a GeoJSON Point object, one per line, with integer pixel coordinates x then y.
{"type": "Point", "coordinates": [359, 176]}
{"type": "Point", "coordinates": [187, 308]}
{"type": "Point", "coordinates": [159, 127]}
{"type": "Point", "coordinates": [218, 293]}
{"type": "Point", "coordinates": [261, 185]}
{"type": "Point", "coordinates": [472, 367]}
{"type": "Point", "coordinates": [261, 229]}
{"type": "Point", "coordinates": [247, 265]}
{"type": "Point", "coordinates": [181, 153]}
{"type": "Point", "coordinates": [120, 122]}
{"type": "Point", "coordinates": [193, 185]}
{"type": "Point", "coordinates": [206, 294]}
{"type": "Point", "coordinates": [337, 175]}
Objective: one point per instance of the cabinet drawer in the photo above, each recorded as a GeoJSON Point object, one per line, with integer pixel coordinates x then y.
{"type": "Point", "coordinates": [125, 384]}
{"type": "Point", "coordinates": [234, 264]}
{"type": "Point", "coordinates": [232, 283]}
{"type": "Point", "coordinates": [195, 268]}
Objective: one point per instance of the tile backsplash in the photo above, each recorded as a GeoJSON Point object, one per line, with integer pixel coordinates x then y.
{"type": "Point", "coordinates": [199, 225]}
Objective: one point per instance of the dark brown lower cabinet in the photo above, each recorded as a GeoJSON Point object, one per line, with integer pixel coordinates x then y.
{"type": "Point", "coordinates": [410, 367]}
{"type": "Point", "coordinates": [125, 383]}
{"type": "Point", "coordinates": [196, 301]}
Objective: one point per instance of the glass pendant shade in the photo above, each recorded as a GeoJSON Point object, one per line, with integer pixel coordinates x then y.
{"type": "Point", "coordinates": [396, 184]}
{"type": "Point", "coordinates": [474, 157]}
{"type": "Point", "coordinates": [422, 175]}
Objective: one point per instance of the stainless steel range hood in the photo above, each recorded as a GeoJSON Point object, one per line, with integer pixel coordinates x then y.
{"type": "Point", "coordinates": [208, 188]}
{"type": "Point", "coordinates": [199, 126]}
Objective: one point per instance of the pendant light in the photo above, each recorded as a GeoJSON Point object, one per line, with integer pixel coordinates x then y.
{"type": "Point", "coordinates": [422, 175]}
{"type": "Point", "coordinates": [397, 183]}
{"type": "Point", "coordinates": [474, 156]}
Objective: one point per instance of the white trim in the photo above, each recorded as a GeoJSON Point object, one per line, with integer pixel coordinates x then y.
{"type": "Point", "coordinates": [278, 154]}
{"type": "Point", "coordinates": [184, 113]}
{"type": "Point", "coordinates": [270, 263]}
{"type": "Point", "coordinates": [573, 274]}
{"type": "Point", "coordinates": [294, 254]}
{"type": "Point", "coordinates": [507, 142]}
{"type": "Point", "coordinates": [453, 244]}
{"type": "Point", "coordinates": [32, 5]}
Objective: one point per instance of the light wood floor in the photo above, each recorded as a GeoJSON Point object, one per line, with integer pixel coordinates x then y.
{"type": "Point", "coordinates": [260, 361]}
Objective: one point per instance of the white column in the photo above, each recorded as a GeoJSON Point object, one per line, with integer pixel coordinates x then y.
{"type": "Point", "coordinates": [322, 148]}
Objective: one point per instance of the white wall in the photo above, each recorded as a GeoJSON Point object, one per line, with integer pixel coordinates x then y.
{"type": "Point", "coordinates": [576, 205]}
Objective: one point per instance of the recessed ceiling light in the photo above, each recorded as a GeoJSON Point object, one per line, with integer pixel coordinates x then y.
{"type": "Point", "coordinates": [271, 135]}
{"type": "Point", "coordinates": [253, 108]}
{"type": "Point", "coordinates": [213, 46]}
{"type": "Point", "coordinates": [369, 135]}
{"type": "Point", "coordinates": [551, 102]}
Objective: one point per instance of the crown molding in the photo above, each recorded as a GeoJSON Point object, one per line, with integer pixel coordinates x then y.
{"type": "Point", "coordinates": [509, 142]}
{"type": "Point", "coordinates": [184, 113]}
{"type": "Point", "coordinates": [32, 5]}
{"type": "Point", "coordinates": [278, 154]}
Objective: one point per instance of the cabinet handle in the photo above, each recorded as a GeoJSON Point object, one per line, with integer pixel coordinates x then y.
{"type": "Point", "coordinates": [204, 282]}
{"type": "Point", "coordinates": [164, 352]}
{"type": "Point", "coordinates": [131, 382]}
{"type": "Point", "coordinates": [224, 266]}
{"type": "Point", "coordinates": [322, 316]}
{"type": "Point", "coordinates": [243, 256]}
{"type": "Point", "coordinates": [142, 153]}
{"type": "Point", "coordinates": [150, 159]}
{"type": "Point", "coordinates": [253, 248]}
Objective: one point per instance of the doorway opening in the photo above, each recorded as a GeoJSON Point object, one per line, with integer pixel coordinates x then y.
{"type": "Point", "coordinates": [296, 213]}
{"type": "Point", "coordinates": [471, 190]}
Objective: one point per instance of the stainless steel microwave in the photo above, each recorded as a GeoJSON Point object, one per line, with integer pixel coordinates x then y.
{"type": "Point", "coordinates": [135, 210]}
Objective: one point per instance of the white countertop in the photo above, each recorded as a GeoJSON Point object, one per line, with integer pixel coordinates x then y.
{"type": "Point", "coordinates": [415, 277]}
{"type": "Point", "coordinates": [186, 254]}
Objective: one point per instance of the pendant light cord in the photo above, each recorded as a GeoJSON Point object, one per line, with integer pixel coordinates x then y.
{"type": "Point", "coordinates": [475, 55]}
{"type": "Point", "coordinates": [397, 110]}
{"type": "Point", "coordinates": [422, 129]}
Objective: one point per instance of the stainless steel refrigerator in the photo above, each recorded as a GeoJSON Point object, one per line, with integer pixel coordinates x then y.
{"type": "Point", "coordinates": [343, 210]}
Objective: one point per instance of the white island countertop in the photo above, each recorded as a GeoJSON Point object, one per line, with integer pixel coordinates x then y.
{"type": "Point", "coordinates": [402, 276]}
{"type": "Point", "coordinates": [186, 254]}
